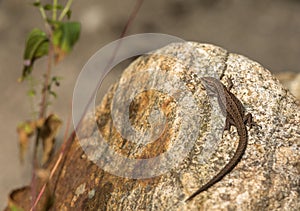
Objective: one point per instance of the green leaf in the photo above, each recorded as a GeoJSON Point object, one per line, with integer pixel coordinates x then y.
{"type": "Point", "coordinates": [69, 13]}
{"type": "Point", "coordinates": [55, 80]}
{"type": "Point", "coordinates": [16, 208]}
{"type": "Point", "coordinates": [48, 7]}
{"type": "Point", "coordinates": [42, 49]}
{"type": "Point", "coordinates": [37, 45]}
{"type": "Point", "coordinates": [51, 7]}
{"type": "Point", "coordinates": [36, 4]}
{"type": "Point", "coordinates": [31, 93]}
{"type": "Point", "coordinates": [53, 94]}
{"type": "Point", "coordinates": [34, 41]}
{"type": "Point", "coordinates": [65, 36]}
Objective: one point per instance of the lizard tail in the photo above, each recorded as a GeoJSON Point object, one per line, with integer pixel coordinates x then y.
{"type": "Point", "coordinates": [228, 167]}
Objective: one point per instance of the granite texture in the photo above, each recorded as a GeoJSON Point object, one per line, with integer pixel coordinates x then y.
{"type": "Point", "coordinates": [267, 178]}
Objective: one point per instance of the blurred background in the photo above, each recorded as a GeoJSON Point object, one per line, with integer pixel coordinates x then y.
{"type": "Point", "coordinates": [266, 31]}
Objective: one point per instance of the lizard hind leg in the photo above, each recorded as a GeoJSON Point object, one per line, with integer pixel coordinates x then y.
{"type": "Point", "coordinates": [228, 124]}
{"type": "Point", "coordinates": [248, 119]}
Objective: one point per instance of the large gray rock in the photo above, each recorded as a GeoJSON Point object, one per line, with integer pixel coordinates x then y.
{"type": "Point", "coordinates": [267, 177]}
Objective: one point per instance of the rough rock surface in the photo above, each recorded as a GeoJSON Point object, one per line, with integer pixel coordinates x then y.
{"type": "Point", "coordinates": [291, 80]}
{"type": "Point", "coordinates": [267, 177]}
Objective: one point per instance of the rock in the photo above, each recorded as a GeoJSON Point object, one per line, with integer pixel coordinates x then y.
{"type": "Point", "coordinates": [267, 176]}
{"type": "Point", "coordinates": [185, 149]}
{"type": "Point", "coordinates": [291, 81]}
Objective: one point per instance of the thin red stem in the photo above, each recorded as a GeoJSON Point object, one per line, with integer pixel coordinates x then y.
{"type": "Point", "coordinates": [42, 113]}
{"type": "Point", "coordinates": [73, 134]}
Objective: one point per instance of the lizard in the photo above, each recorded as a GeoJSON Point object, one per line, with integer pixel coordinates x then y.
{"type": "Point", "coordinates": [232, 107]}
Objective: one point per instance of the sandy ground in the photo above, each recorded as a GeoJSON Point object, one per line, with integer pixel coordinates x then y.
{"type": "Point", "coordinates": [266, 31]}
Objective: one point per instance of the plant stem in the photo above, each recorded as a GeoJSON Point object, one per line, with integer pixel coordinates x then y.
{"type": "Point", "coordinates": [54, 11]}
{"type": "Point", "coordinates": [43, 105]}
{"type": "Point", "coordinates": [45, 90]}
{"type": "Point", "coordinates": [42, 11]}
{"type": "Point", "coordinates": [42, 114]}
{"type": "Point", "coordinates": [65, 10]}
{"type": "Point", "coordinates": [31, 94]}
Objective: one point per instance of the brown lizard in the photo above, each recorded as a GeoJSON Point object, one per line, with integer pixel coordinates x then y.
{"type": "Point", "coordinates": [235, 115]}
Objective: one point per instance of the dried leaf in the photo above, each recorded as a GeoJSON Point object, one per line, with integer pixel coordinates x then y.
{"type": "Point", "coordinates": [48, 133]}
{"type": "Point", "coordinates": [14, 196]}
{"type": "Point", "coordinates": [25, 131]}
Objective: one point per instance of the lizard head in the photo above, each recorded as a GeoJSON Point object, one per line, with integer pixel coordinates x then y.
{"type": "Point", "coordinates": [211, 83]}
